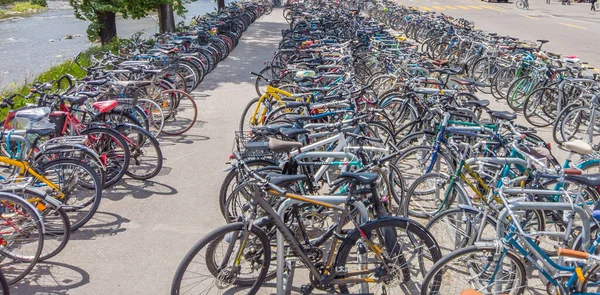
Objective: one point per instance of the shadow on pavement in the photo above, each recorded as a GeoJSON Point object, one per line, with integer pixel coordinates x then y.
{"type": "Point", "coordinates": [51, 278]}
{"type": "Point", "coordinates": [139, 189]}
{"type": "Point", "coordinates": [181, 139]}
{"type": "Point", "coordinates": [103, 224]}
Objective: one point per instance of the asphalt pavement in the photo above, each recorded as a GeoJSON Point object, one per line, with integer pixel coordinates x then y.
{"type": "Point", "coordinates": [571, 29]}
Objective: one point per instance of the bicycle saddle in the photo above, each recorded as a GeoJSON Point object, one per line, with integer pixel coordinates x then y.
{"type": "Point", "coordinates": [76, 100]}
{"type": "Point", "coordinates": [293, 132]}
{"type": "Point", "coordinates": [298, 118]}
{"type": "Point", "coordinates": [89, 93]}
{"type": "Point", "coordinates": [105, 106]}
{"type": "Point", "coordinates": [578, 146]}
{"type": "Point", "coordinates": [97, 82]}
{"type": "Point", "coordinates": [280, 146]}
{"type": "Point", "coordinates": [440, 62]}
{"type": "Point", "coordinates": [592, 180]}
{"type": "Point", "coordinates": [296, 104]}
{"type": "Point", "coordinates": [466, 82]}
{"type": "Point", "coordinates": [543, 41]}
{"type": "Point", "coordinates": [362, 177]}
{"type": "Point", "coordinates": [271, 129]}
{"type": "Point", "coordinates": [283, 180]}
{"type": "Point", "coordinates": [504, 115]}
{"type": "Point", "coordinates": [478, 103]}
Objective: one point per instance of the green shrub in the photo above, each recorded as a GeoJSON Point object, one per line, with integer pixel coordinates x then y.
{"type": "Point", "coordinates": [25, 6]}
{"type": "Point", "coordinates": [41, 3]}
{"type": "Point", "coordinates": [4, 2]}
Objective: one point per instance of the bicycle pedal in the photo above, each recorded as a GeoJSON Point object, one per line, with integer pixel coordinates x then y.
{"type": "Point", "coordinates": [306, 289]}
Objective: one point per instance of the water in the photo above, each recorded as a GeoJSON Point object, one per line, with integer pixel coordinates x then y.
{"type": "Point", "coordinates": [30, 45]}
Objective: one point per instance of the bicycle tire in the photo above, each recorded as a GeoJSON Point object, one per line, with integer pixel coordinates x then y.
{"type": "Point", "coordinates": [17, 266]}
{"type": "Point", "coordinates": [251, 107]}
{"type": "Point", "coordinates": [110, 146]}
{"type": "Point", "coordinates": [466, 218]}
{"type": "Point", "coordinates": [413, 195]}
{"type": "Point", "coordinates": [232, 180]}
{"type": "Point", "coordinates": [90, 182]}
{"type": "Point", "coordinates": [214, 236]}
{"type": "Point", "coordinates": [415, 233]}
{"type": "Point", "coordinates": [57, 227]}
{"type": "Point", "coordinates": [545, 98]}
{"type": "Point", "coordinates": [432, 281]}
{"type": "Point", "coordinates": [137, 151]}
{"type": "Point", "coordinates": [176, 102]}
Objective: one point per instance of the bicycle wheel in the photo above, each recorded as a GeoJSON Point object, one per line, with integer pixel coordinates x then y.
{"type": "Point", "coordinates": [397, 185]}
{"type": "Point", "coordinates": [409, 252]}
{"type": "Point", "coordinates": [202, 272]}
{"type": "Point", "coordinates": [22, 239]}
{"type": "Point", "coordinates": [4, 289]}
{"type": "Point", "coordinates": [156, 117]}
{"type": "Point", "coordinates": [127, 113]}
{"type": "Point", "coordinates": [502, 81]}
{"type": "Point", "coordinates": [271, 72]}
{"type": "Point", "coordinates": [581, 123]}
{"type": "Point", "coordinates": [556, 127]}
{"type": "Point", "coordinates": [57, 227]}
{"type": "Point", "coordinates": [518, 91]}
{"type": "Point", "coordinates": [237, 176]}
{"type": "Point", "coordinates": [179, 110]}
{"type": "Point", "coordinates": [254, 114]}
{"type": "Point", "coordinates": [460, 227]}
{"type": "Point", "coordinates": [189, 73]}
{"type": "Point", "coordinates": [112, 149]}
{"type": "Point", "coordinates": [541, 107]}
{"type": "Point", "coordinates": [81, 186]}
{"type": "Point", "coordinates": [146, 154]}
{"type": "Point", "coordinates": [473, 267]}
{"type": "Point", "coordinates": [427, 195]}
{"type": "Point", "coordinates": [415, 161]}
{"type": "Point", "coordinates": [520, 4]}
{"type": "Point", "coordinates": [483, 72]}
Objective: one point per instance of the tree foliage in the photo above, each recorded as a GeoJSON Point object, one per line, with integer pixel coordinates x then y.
{"type": "Point", "coordinates": [91, 9]}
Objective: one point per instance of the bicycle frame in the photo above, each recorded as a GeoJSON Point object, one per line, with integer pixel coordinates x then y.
{"type": "Point", "coordinates": [272, 93]}
{"type": "Point", "coordinates": [296, 245]}
{"type": "Point", "coordinates": [529, 248]}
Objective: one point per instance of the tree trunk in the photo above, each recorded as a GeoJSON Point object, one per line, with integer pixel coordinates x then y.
{"type": "Point", "coordinates": [108, 22]}
{"type": "Point", "coordinates": [166, 20]}
{"type": "Point", "coordinates": [220, 4]}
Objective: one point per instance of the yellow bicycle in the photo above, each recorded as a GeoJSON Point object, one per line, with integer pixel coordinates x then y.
{"type": "Point", "coordinates": [257, 109]}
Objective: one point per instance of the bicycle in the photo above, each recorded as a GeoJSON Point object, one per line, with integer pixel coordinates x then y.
{"type": "Point", "coordinates": [335, 272]}
{"type": "Point", "coordinates": [523, 4]}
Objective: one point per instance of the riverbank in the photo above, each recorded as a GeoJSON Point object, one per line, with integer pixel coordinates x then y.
{"type": "Point", "coordinates": [19, 9]}
{"type": "Point", "coordinates": [30, 45]}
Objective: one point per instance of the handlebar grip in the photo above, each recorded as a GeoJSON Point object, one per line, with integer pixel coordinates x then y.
{"type": "Point", "coordinates": [572, 253]}
{"type": "Point", "coordinates": [572, 171]}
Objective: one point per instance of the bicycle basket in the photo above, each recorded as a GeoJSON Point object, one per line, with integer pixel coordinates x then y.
{"type": "Point", "coordinates": [251, 146]}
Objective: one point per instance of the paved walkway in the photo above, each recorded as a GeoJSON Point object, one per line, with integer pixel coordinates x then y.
{"type": "Point", "coordinates": [143, 229]}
